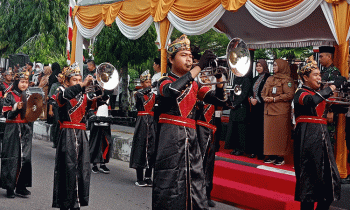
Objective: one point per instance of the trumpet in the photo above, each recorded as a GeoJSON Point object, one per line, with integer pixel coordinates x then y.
{"type": "Point", "coordinates": [237, 62]}
{"type": "Point", "coordinates": [341, 96]}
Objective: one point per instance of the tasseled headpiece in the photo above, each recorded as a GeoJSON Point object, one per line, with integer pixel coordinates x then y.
{"type": "Point", "coordinates": [310, 65]}
{"type": "Point", "coordinates": [145, 76]}
{"type": "Point", "coordinates": [181, 43]}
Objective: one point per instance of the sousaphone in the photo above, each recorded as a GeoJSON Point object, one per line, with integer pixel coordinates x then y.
{"type": "Point", "coordinates": [237, 63]}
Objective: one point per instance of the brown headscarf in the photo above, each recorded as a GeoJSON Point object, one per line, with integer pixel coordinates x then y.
{"type": "Point", "coordinates": [283, 69]}
{"type": "Point", "coordinates": [264, 65]}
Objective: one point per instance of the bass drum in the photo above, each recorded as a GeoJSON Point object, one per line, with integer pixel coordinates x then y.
{"type": "Point", "coordinates": [33, 103]}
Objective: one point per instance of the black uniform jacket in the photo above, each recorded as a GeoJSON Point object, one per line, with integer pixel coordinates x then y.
{"type": "Point", "coordinates": [144, 136]}
{"type": "Point", "coordinates": [16, 145]}
{"type": "Point", "coordinates": [315, 168]}
{"type": "Point", "coordinates": [72, 164]}
{"type": "Point", "coordinates": [178, 173]}
{"type": "Point", "coordinates": [4, 88]}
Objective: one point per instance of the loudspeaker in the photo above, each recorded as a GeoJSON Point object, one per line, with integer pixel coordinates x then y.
{"type": "Point", "coordinates": [19, 58]}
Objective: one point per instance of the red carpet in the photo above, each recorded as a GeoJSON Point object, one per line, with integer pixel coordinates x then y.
{"type": "Point", "coordinates": [253, 188]}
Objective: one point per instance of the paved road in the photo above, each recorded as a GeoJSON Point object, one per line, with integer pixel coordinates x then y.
{"type": "Point", "coordinates": [108, 191]}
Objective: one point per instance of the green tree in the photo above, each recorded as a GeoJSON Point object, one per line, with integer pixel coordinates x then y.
{"type": "Point", "coordinates": [299, 53]}
{"type": "Point", "coordinates": [211, 40]}
{"type": "Point", "coordinates": [37, 28]}
{"type": "Point", "coordinates": [112, 46]}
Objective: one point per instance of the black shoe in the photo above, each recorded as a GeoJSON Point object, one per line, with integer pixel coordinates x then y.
{"type": "Point", "coordinates": [252, 156]}
{"type": "Point", "coordinates": [345, 180]}
{"type": "Point", "coordinates": [10, 194]}
{"type": "Point", "coordinates": [279, 161]}
{"type": "Point", "coordinates": [211, 203]}
{"type": "Point", "coordinates": [237, 153]}
{"type": "Point", "coordinates": [104, 169]}
{"type": "Point", "coordinates": [149, 182]}
{"type": "Point", "coordinates": [141, 183]}
{"type": "Point", "coordinates": [94, 169]}
{"type": "Point", "coordinates": [23, 192]}
{"type": "Point", "coordinates": [270, 160]}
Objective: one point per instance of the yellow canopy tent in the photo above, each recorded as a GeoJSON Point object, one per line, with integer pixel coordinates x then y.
{"type": "Point", "coordinates": [261, 23]}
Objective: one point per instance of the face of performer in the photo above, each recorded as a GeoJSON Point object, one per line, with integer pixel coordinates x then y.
{"type": "Point", "coordinates": [182, 62]}
{"type": "Point", "coordinates": [146, 83]}
{"type": "Point", "coordinates": [275, 68]}
{"type": "Point", "coordinates": [23, 84]}
{"type": "Point", "coordinates": [313, 79]}
{"type": "Point", "coordinates": [260, 69]}
{"type": "Point", "coordinates": [73, 81]}
{"type": "Point", "coordinates": [325, 59]}
{"type": "Point", "coordinates": [8, 78]}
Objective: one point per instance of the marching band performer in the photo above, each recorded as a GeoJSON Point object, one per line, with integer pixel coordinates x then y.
{"type": "Point", "coordinates": [144, 136]}
{"type": "Point", "coordinates": [16, 165]}
{"type": "Point", "coordinates": [100, 141]}
{"type": "Point", "coordinates": [53, 109]}
{"type": "Point", "coordinates": [179, 181]}
{"type": "Point", "coordinates": [316, 172]}
{"type": "Point", "coordinates": [206, 138]}
{"type": "Point", "coordinates": [5, 86]}
{"type": "Point", "coordinates": [72, 164]}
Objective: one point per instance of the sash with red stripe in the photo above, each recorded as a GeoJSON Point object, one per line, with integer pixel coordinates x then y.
{"type": "Point", "coordinates": [207, 125]}
{"type": "Point", "coordinates": [67, 124]}
{"type": "Point", "coordinates": [142, 113]}
{"type": "Point", "coordinates": [311, 119]}
{"type": "Point", "coordinates": [16, 121]}
{"type": "Point", "coordinates": [177, 120]}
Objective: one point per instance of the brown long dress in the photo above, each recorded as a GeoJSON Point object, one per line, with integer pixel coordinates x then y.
{"type": "Point", "coordinates": [277, 115]}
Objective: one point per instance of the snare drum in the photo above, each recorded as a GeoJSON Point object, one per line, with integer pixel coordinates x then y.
{"type": "Point", "coordinates": [33, 102]}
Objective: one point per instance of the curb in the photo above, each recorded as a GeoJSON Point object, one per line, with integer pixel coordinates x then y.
{"type": "Point", "coordinates": [122, 139]}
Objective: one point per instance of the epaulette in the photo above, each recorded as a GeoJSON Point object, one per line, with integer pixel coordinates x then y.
{"type": "Point", "coordinates": [163, 76]}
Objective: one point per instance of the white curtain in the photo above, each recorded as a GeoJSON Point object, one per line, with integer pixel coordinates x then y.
{"type": "Point", "coordinates": [136, 31]}
{"type": "Point", "coordinates": [157, 26]}
{"type": "Point", "coordinates": [199, 26]}
{"type": "Point", "coordinates": [283, 19]}
{"type": "Point", "coordinates": [89, 33]}
{"type": "Point", "coordinates": [328, 13]}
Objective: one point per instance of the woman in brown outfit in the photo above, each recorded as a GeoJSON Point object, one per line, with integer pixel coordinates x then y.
{"type": "Point", "coordinates": [278, 94]}
{"type": "Point", "coordinates": [44, 84]}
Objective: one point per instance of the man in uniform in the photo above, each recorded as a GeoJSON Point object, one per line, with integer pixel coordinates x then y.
{"type": "Point", "coordinates": [179, 181]}
{"type": "Point", "coordinates": [329, 71]}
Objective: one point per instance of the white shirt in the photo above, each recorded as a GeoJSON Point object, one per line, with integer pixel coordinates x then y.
{"type": "Point", "coordinates": [155, 78]}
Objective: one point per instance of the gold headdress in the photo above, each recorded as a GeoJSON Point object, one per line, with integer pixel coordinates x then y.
{"type": "Point", "coordinates": [145, 76]}
{"type": "Point", "coordinates": [181, 43]}
{"type": "Point", "coordinates": [72, 70]}
{"type": "Point", "coordinates": [310, 65]}
{"type": "Point", "coordinates": [8, 72]}
{"type": "Point", "coordinates": [22, 74]}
